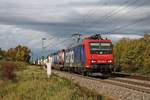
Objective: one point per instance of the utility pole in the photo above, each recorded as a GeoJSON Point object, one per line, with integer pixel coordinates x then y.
{"type": "Point", "coordinates": [77, 36]}
{"type": "Point", "coordinates": [32, 57]}
{"type": "Point", "coordinates": [43, 47]}
{"type": "Point", "coordinates": [42, 54]}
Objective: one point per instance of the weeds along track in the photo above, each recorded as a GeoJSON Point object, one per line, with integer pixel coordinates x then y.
{"type": "Point", "coordinates": [129, 83]}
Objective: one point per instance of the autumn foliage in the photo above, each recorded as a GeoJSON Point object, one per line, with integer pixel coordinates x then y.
{"type": "Point", "coordinates": [133, 55]}
{"type": "Point", "coordinates": [13, 59]}
{"type": "Point", "coordinates": [19, 53]}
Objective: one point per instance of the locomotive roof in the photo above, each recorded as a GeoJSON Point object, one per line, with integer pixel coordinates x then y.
{"type": "Point", "coordinates": [98, 40]}
{"type": "Point", "coordinates": [89, 40]}
{"type": "Point", "coordinates": [93, 38]}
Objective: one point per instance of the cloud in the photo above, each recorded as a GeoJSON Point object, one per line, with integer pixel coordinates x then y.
{"type": "Point", "coordinates": [12, 36]}
{"type": "Point", "coordinates": [95, 3]}
{"type": "Point", "coordinates": [26, 22]}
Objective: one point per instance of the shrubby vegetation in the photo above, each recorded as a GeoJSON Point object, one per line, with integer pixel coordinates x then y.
{"type": "Point", "coordinates": [19, 53]}
{"type": "Point", "coordinates": [13, 59]}
{"type": "Point", "coordinates": [33, 84]}
{"type": "Point", "coordinates": [8, 69]}
{"type": "Point", "coordinates": [133, 55]}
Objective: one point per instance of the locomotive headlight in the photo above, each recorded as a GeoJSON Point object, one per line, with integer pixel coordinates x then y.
{"type": "Point", "coordinates": [110, 61]}
{"type": "Point", "coordinates": [87, 66]}
{"type": "Point", "coordinates": [93, 61]}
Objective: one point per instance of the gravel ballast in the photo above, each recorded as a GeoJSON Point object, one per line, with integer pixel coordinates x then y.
{"type": "Point", "coordinates": [113, 91]}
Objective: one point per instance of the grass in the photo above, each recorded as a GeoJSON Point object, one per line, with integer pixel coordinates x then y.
{"type": "Point", "coordinates": [33, 84]}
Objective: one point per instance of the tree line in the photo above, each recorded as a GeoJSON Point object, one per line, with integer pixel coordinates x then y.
{"type": "Point", "coordinates": [19, 53]}
{"type": "Point", "coordinates": [133, 55]}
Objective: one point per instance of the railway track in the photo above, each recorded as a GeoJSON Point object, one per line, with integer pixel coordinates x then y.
{"type": "Point", "coordinates": [141, 87]}
{"type": "Point", "coordinates": [139, 77]}
{"type": "Point", "coordinates": [138, 85]}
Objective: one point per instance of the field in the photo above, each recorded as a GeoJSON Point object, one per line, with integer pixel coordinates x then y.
{"type": "Point", "coordinates": [32, 84]}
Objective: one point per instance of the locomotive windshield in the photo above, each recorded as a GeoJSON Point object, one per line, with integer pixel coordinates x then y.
{"type": "Point", "coordinates": [101, 48]}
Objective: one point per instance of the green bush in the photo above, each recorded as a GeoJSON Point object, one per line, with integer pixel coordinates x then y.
{"type": "Point", "coordinates": [133, 55]}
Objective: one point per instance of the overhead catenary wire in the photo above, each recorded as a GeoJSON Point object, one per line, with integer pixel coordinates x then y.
{"type": "Point", "coordinates": [109, 13]}
{"type": "Point", "coordinates": [130, 24]}
{"type": "Point", "coordinates": [118, 10]}
{"type": "Point", "coordinates": [88, 14]}
{"type": "Point", "coordinates": [115, 12]}
{"type": "Point", "coordinates": [61, 42]}
{"type": "Point", "coordinates": [135, 7]}
{"type": "Point", "coordinates": [58, 43]}
{"type": "Point", "coordinates": [50, 42]}
{"type": "Point", "coordinates": [127, 25]}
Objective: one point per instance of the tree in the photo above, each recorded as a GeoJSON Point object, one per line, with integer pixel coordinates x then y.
{"type": "Point", "coordinates": [133, 55]}
{"type": "Point", "coordinates": [20, 53]}
{"type": "Point", "coordinates": [2, 54]}
{"type": "Point", "coordinates": [119, 50]}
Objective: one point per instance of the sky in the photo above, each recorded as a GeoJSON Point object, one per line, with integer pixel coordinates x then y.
{"type": "Point", "coordinates": [26, 22]}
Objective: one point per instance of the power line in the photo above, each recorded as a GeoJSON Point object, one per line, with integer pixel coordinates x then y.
{"type": "Point", "coordinates": [50, 42]}
{"type": "Point", "coordinates": [136, 21]}
{"type": "Point", "coordinates": [108, 12]}
{"type": "Point", "coordinates": [115, 11]}
{"type": "Point", "coordinates": [88, 14]}
{"type": "Point", "coordinates": [138, 6]}
{"type": "Point", "coordinates": [63, 41]}
{"type": "Point", "coordinates": [119, 10]}
{"type": "Point", "coordinates": [127, 25]}
{"type": "Point", "coordinates": [60, 42]}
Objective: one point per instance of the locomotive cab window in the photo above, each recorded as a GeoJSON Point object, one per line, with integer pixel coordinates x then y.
{"type": "Point", "coordinates": [101, 48]}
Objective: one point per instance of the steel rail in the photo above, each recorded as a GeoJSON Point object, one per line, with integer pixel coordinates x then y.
{"type": "Point", "coordinates": [126, 84]}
